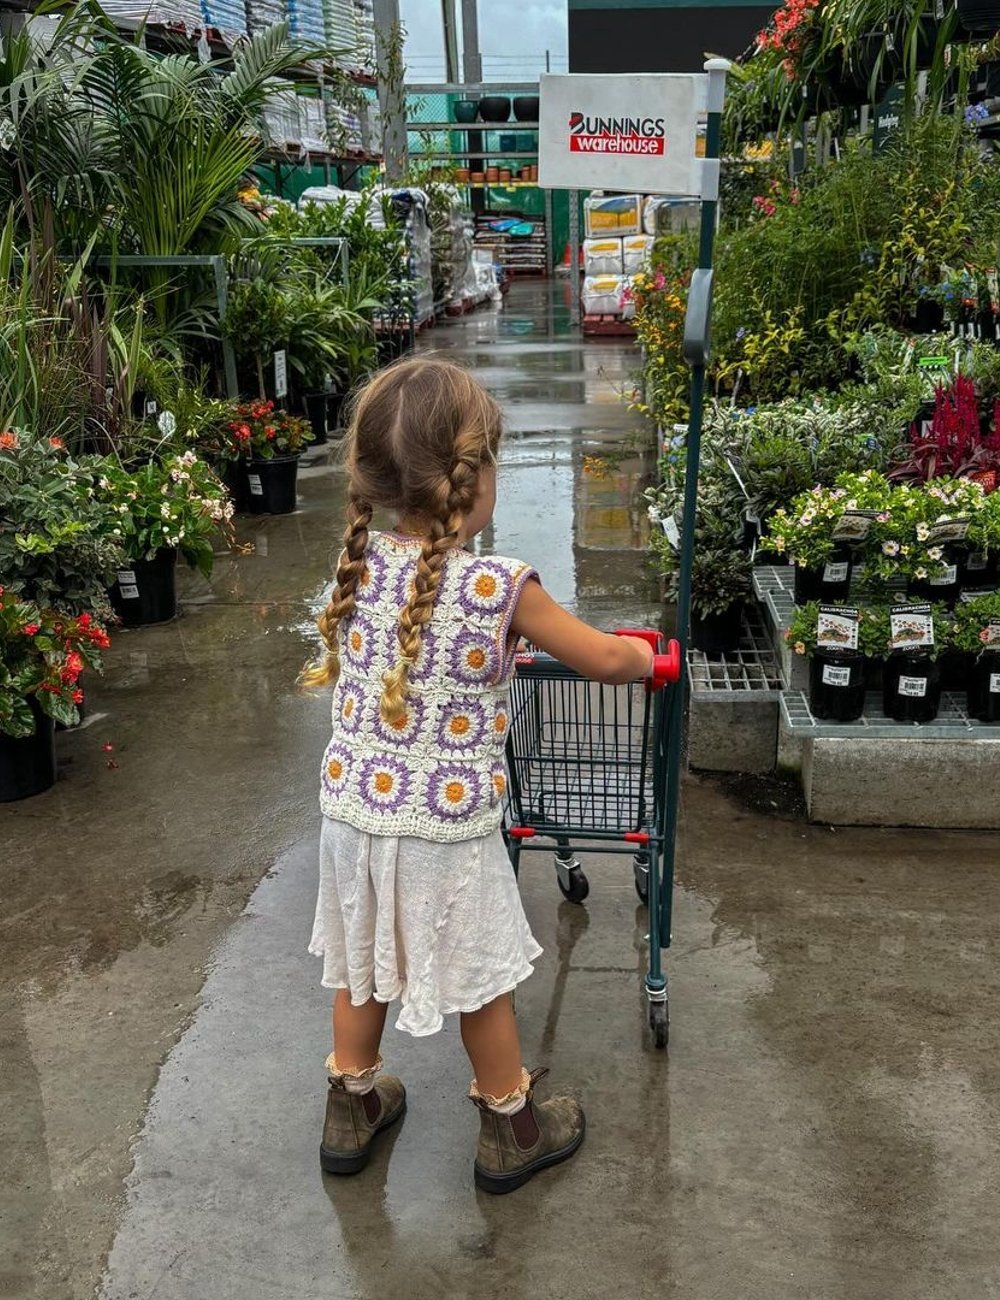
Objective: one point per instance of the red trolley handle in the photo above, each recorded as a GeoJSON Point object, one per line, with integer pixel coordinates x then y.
{"type": "Point", "coordinates": [666, 667]}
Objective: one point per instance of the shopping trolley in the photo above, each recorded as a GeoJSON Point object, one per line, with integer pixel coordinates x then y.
{"type": "Point", "coordinates": [587, 768]}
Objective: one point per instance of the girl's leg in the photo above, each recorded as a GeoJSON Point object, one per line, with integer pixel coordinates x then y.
{"type": "Point", "coordinates": [494, 1047]}
{"type": "Point", "coordinates": [357, 1032]}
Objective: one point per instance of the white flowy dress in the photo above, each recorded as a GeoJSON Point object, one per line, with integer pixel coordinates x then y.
{"type": "Point", "coordinates": [438, 927]}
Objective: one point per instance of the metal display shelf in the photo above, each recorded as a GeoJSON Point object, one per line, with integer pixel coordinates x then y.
{"type": "Point", "coordinates": [952, 722]}
{"type": "Point", "coordinates": [472, 126]}
{"type": "Point", "coordinates": [753, 667]}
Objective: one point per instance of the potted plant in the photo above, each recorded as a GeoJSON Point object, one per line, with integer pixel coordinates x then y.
{"type": "Point", "coordinates": [42, 654]}
{"type": "Point", "coordinates": [975, 636]}
{"type": "Point", "coordinates": [720, 579]}
{"type": "Point", "coordinates": [256, 322]}
{"type": "Point", "coordinates": [807, 533]}
{"type": "Point", "coordinates": [831, 636]}
{"type": "Point", "coordinates": [159, 509]}
{"type": "Point", "coordinates": [911, 681]}
{"type": "Point", "coordinates": [270, 443]}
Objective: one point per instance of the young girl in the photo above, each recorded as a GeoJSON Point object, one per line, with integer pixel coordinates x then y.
{"type": "Point", "coordinates": [417, 899]}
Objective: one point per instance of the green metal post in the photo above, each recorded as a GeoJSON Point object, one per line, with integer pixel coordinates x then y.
{"type": "Point", "coordinates": [716, 69]}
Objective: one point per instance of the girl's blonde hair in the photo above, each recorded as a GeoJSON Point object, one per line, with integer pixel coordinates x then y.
{"type": "Point", "coordinates": [419, 435]}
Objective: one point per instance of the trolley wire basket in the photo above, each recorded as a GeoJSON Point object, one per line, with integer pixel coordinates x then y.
{"type": "Point", "coordinates": [586, 767]}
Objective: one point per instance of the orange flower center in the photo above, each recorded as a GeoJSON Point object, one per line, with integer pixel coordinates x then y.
{"type": "Point", "coordinates": [454, 792]}
{"type": "Point", "coordinates": [335, 769]}
{"type": "Point", "coordinates": [499, 783]}
{"type": "Point", "coordinates": [348, 707]}
{"type": "Point", "coordinates": [500, 724]}
{"type": "Point", "coordinates": [459, 725]}
{"type": "Point", "coordinates": [399, 724]}
{"type": "Point", "coordinates": [356, 642]}
{"type": "Point", "coordinates": [383, 782]}
{"type": "Point", "coordinates": [476, 658]}
{"type": "Point", "coordinates": [486, 585]}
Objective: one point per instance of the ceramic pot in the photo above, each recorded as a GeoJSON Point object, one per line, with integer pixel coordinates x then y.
{"type": "Point", "coordinates": [494, 108]}
{"type": "Point", "coordinates": [526, 108]}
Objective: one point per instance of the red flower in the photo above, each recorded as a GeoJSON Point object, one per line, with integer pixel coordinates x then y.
{"type": "Point", "coordinates": [270, 432]}
{"type": "Point", "coordinates": [57, 443]}
{"type": "Point", "coordinates": [74, 662]}
{"type": "Point", "coordinates": [107, 747]}
{"type": "Point", "coordinates": [84, 620]}
{"type": "Point", "coordinates": [9, 441]}
{"type": "Point", "coordinates": [30, 629]}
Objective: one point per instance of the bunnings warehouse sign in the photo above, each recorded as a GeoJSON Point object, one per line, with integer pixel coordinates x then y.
{"type": "Point", "coordinates": [636, 133]}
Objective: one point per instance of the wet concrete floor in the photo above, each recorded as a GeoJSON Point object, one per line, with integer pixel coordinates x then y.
{"type": "Point", "coordinates": [824, 1126]}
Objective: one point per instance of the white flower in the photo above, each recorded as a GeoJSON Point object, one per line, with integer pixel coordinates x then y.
{"type": "Point", "coordinates": [188, 458]}
{"type": "Point", "coordinates": [935, 552]}
{"type": "Point", "coordinates": [167, 423]}
{"type": "Point", "coordinates": [116, 532]}
{"type": "Point", "coordinates": [8, 133]}
{"type": "Point", "coordinates": [104, 484]}
{"type": "Point", "coordinates": [890, 548]}
{"type": "Point", "coordinates": [920, 573]}
{"type": "Point", "coordinates": [165, 510]}
{"type": "Point", "coordinates": [923, 532]}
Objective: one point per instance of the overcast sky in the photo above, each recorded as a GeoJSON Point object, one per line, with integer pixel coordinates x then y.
{"type": "Point", "coordinates": [513, 38]}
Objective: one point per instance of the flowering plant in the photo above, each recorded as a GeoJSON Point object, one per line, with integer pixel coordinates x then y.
{"type": "Point", "coordinates": [954, 445]}
{"type": "Point", "coordinates": [907, 546]}
{"type": "Point", "coordinates": [789, 31]}
{"type": "Point", "coordinates": [259, 430]}
{"type": "Point", "coordinates": [177, 502]}
{"type": "Point", "coordinates": [660, 300]}
{"type": "Point", "coordinates": [805, 532]}
{"type": "Point", "coordinates": [970, 623]}
{"type": "Point", "coordinates": [42, 654]}
{"type": "Point", "coordinates": [53, 545]}
{"type": "Point", "coordinates": [874, 629]}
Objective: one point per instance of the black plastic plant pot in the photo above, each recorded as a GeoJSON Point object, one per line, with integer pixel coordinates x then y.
{"type": "Point", "coordinates": [494, 108]}
{"type": "Point", "coordinates": [979, 17]}
{"type": "Point", "coordinates": [526, 108]}
{"type": "Point", "coordinates": [978, 569]}
{"type": "Point", "coordinates": [911, 686]}
{"type": "Point", "coordinates": [718, 634]}
{"type": "Point", "coordinates": [837, 685]}
{"type": "Point", "coordinates": [273, 485]}
{"type": "Point", "coordinates": [928, 318]}
{"type": "Point", "coordinates": [146, 591]}
{"type": "Point", "coordinates": [466, 110]}
{"type": "Point", "coordinates": [954, 667]}
{"type": "Point", "coordinates": [316, 413]}
{"type": "Point", "coordinates": [946, 587]}
{"type": "Point", "coordinates": [986, 326]}
{"type": "Point", "coordinates": [984, 687]}
{"type": "Point", "coordinates": [831, 582]}
{"type": "Point", "coordinates": [234, 476]}
{"type": "Point", "coordinates": [335, 413]}
{"type": "Point", "coordinates": [28, 765]}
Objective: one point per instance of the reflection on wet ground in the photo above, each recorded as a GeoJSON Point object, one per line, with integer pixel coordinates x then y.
{"type": "Point", "coordinates": [823, 1128]}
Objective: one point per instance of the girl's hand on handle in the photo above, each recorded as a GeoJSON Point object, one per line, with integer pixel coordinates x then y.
{"type": "Point", "coordinates": [601, 656]}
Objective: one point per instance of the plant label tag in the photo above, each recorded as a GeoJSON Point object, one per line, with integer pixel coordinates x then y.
{"type": "Point", "coordinates": [281, 373]}
{"type": "Point", "coordinates": [126, 578]}
{"type": "Point", "coordinates": [837, 628]}
{"type": "Point", "coordinates": [995, 683]}
{"type": "Point", "coordinates": [152, 406]}
{"type": "Point", "coordinates": [949, 530]}
{"type": "Point", "coordinates": [947, 578]}
{"type": "Point", "coordinates": [915, 688]}
{"type": "Point", "coordinates": [854, 525]}
{"type": "Point", "coordinates": [256, 486]}
{"type": "Point", "coordinates": [836, 572]}
{"type": "Point", "coordinates": [836, 676]}
{"type": "Point", "coordinates": [912, 626]}
{"type": "Point", "coordinates": [976, 561]}
{"type": "Point", "coordinates": [128, 591]}
{"type": "Point", "coordinates": [967, 597]}
{"type": "Point", "coordinates": [672, 531]}
{"type": "Point", "coordinates": [990, 636]}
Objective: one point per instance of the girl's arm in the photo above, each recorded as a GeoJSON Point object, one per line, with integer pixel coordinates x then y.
{"type": "Point", "coordinates": [598, 655]}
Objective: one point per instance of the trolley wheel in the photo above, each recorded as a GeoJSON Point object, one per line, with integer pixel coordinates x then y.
{"type": "Point", "coordinates": [640, 870]}
{"type": "Point", "coordinates": [573, 884]}
{"type": "Point", "coordinates": [659, 1023]}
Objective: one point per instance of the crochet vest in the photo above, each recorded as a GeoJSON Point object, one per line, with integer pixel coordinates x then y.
{"type": "Point", "coordinates": [437, 773]}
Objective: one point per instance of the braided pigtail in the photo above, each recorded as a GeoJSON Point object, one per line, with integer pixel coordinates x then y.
{"type": "Point", "coordinates": [350, 571]}
{"type": "Point", "coordinates": [456, 497]}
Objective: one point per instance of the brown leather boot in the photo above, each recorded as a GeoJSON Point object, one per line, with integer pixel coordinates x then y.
{"type": "Point", "coordinates": [513, 1148]}
{"type": "Point", "coordinates": [353, 1119]}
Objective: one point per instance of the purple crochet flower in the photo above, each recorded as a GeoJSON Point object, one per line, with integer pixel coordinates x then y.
{"type": "Point", "coordinates": [453, 791]}
{"type": "Point", "coordinates": [384, 784]}
{"type": "Point", "coordinates": [485, 588]}
{"type": "Point", "coordinates": [351, 703]}
{"type": "Point", "coordinates": [359, 642]}
{"type": "Point", "coordinates": [474, 658]}
{"type": "Point", "coordinates": [462, 726]}
{"type": "Point", "coordinates": [406, 730]}
{"type": "Point", "coordinates": [372, 584]}
{"type": "Point", "coordinates": [336, 768]}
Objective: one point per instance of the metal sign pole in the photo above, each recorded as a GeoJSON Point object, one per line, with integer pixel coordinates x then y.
{"type": "Point", "coordinates": [696, 346]}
